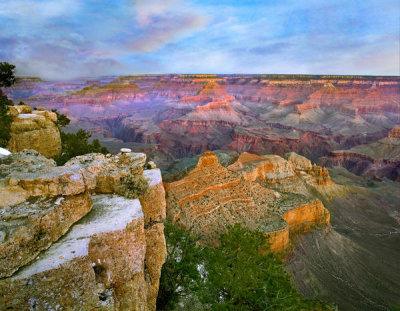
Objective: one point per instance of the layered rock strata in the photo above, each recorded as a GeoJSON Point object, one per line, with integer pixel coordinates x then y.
{"type": "Point", "coordinates": [264, 192]}
{"type": "Point", "coordinates": [375, 160]}
{"type": "Point", "coordinates": [69, 241]}
{"type": "Point", "coordinates": [34, 130]}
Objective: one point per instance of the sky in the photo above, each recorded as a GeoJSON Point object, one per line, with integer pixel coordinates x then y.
{"type": "Point", "coordinates": [66, 39]}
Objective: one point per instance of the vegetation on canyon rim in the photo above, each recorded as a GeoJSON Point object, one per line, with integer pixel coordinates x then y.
{"type": "Point", "coordinates": [7, 78]}
{"type": "Point", "coordinates": [74, 144]}
{"type": "Point", "coordinates": [240, 274]}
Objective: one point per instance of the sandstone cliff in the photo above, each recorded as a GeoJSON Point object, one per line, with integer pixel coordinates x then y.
{"type": "Point", "coordinates": [69, 241]}
{"type": "Point", "coordinates": [264, 192]}
{"type": "Point", "coordinates": [34, 130]}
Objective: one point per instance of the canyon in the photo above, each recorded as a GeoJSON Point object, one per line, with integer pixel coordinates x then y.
{"type": "Point", "coordinates": [311, 161]}
{"type": "Point", "coordinates": [175, 116]}
{"type": "Point", "coordinates": [376, 160]}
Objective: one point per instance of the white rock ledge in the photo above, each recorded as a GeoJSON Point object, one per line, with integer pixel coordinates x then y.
{"type": "Point", "coordinates": [109, 213]}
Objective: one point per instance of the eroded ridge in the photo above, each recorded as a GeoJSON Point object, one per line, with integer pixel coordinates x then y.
{"type": "Point", "coordinates": [268, 192]}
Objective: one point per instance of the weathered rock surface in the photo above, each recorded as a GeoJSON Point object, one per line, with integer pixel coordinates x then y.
{"type": "Point", "coordinates": [27, 174]}
{"type": "Point", "coordinates": [103, 174]}
{"type": "Point", "coordinates": [34, 130]}
{"type": "Point", "coordinates": [98, 264]}
{"type": "Point", "coordinates": [249, 192]}
{"type": "Point", "coordinates": [30, 227]}
{"type": "Point", "coordinates": [375, 160]}
{"type": "Point", "coordinates": [112, 255]}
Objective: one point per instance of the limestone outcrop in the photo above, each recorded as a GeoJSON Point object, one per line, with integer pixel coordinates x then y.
{"type": "Point", "coordinates": [34, 130]}
{"type": "Point", "coordinates": [264, 192]}
{"type": "Point", "coordinates": [70, 241]}
{"type": "Point", "coordinates": [34, 225]}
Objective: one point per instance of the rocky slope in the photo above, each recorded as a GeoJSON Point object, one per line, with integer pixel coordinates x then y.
{"type": "Point", "coordinates": [70, 241]}
{"type": "Point", "coordinates": [34, 130]}
{"type": "Point", "coordinates": [375, 160]}
{"type": "Point", "coordinates": [355, 262]}
{"type": "Point", "coordinates": [264, 192]}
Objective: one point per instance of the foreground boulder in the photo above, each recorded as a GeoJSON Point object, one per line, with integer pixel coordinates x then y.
{"type": "Point", "coordinates": [69, 241]}
{"type": "Point", "coordinates": [34, 130]}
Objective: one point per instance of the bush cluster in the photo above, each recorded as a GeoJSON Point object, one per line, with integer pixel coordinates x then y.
{"type": "Point", "coordinates": [133, 186]}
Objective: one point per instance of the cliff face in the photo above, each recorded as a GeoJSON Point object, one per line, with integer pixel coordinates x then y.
{"type": "Point", "coordinates": [69, 241]}
{"type": "Point", "coordinates": [34, 130]}
{"type": "Point", "coordinates": [264, 192]}
{"type": "Point", "coordinates": [375, 160]}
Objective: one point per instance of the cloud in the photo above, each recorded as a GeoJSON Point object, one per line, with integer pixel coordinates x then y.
{"type": "Point", "coordinates": [67, 38]}
{"type": "Point", "coordinates": [31, 9]}
{"type": "Point", "coordinates": [159, 23]}
{"type": "Point", "coordinates": [71, 38]}
{"type": "Point", "coordinates": [164, 30]}
{"type": "Point", "coordinates": [273, 48]}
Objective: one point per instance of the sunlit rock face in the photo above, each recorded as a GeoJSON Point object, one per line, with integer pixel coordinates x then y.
{"type": "Point", "coordinates": [34, 130]}
{"type": "Point", "coordinates": [70, 241]}
{"type": "Point", "coordinates": [184, 115]}
{"type": "Point", "coordinates": [263, 192]}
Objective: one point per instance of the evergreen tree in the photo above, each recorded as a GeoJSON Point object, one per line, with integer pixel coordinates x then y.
{"type": "Point", "coordinates": [7, 74]}
{"type": "Point", "coordinates": [7, 78]}
{"type": "Point", "coordinates": [242, 274]}
{"type": "Point", "coordinates": [180, 276]}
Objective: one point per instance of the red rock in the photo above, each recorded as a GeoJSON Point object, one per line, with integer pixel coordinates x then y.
{"type": "Point", "coordinates": [211, 197]}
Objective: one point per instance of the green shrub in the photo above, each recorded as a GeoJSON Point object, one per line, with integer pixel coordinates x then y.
{"type": "Point", "coordinates": [7, 78]}
{"type": "Point", "coordinates": [75, 144]}
{"type": "Point", "coordinates": [133, 186]}
{"type": "Point", "coordinates": [7, 74]}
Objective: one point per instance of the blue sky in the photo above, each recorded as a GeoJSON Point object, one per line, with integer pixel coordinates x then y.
{"type": "Point", "coordinates": [64, 39]}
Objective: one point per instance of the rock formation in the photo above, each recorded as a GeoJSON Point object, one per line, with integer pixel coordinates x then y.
{"type": "Point", "coordinates": [70, 241]}
{"type": "Point", "coordinates": [34, 130]}
{"type": "Point", "coordinates": [375, 160]}
{"type": "Point", "coordinates": [264, 192]}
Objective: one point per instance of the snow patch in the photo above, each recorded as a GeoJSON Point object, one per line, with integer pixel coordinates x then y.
{"type": "Point", "coordinates": [153, 176]}
{"type": "Point", "coordinates": [29, 116]}
{"type": "Point", "coordinates": [4, 152]}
